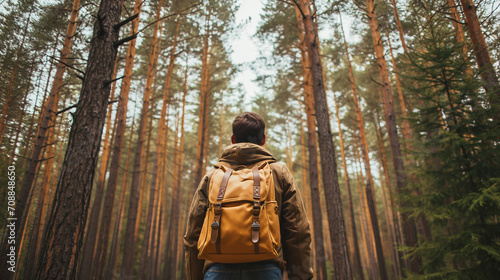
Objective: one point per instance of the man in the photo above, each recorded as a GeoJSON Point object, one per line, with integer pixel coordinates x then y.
{"type": "Point", "coordinates": [295, 251]}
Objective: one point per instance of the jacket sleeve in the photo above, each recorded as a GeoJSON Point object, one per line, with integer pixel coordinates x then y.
{"type": "Point", "coordinates": [295, 231]}
{"type": "Point", "coordinates": [197, 210]}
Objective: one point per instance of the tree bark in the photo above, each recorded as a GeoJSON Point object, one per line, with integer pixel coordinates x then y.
{"type": "Point", "coordinates": [85, 269]}
{"type": "Point", "coordinates": [483, 59]}
{"type": "Point", "coordinates": [319, 249]}
{"type": "Point", "coordinates": [341, 266]}
{"type": "Point", "coordinates": [70, 206]}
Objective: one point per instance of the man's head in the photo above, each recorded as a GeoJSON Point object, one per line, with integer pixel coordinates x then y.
{"type": "Point", "coordinates": [249, 127]}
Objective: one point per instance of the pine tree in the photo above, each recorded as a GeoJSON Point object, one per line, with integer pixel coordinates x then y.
{"type": "Point", "coordinates": [460, 161]}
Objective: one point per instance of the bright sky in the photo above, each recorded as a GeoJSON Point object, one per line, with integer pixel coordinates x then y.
{"type": "Point", "coordinates": [244, 47]}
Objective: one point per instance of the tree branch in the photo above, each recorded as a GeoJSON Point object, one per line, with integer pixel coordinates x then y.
{"type": "Point", "coordinates": [64, 110]}
{"type": "Point", "coordinates": [376, 82]}
{"type": "Point", "coordinates": [300, 9]}
{"type": "Point", "coordinates": [122, 23]}
{"type": "Point", "coordinates": [171, 15]}
{"type": "Point", "coordinates": [106, 83]}
{"type": "Point", "coordinates": [125, 40]}
{"type": "Point", "coordinates": [67, 65]}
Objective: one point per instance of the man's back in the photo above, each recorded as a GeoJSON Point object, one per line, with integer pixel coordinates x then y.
{"type": "Point", "coordinates": [294, 251]}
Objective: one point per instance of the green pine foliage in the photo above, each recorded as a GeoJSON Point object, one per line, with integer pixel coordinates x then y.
{"type": "Point", "coordinates": [457, 150]}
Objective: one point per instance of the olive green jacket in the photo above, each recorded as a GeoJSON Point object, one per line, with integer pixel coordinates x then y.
{"type": "Point", "coordinates": [295, 249]}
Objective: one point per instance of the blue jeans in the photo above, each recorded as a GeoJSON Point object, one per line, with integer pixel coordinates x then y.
{"type": "Point", "coordinates": [244, 271]}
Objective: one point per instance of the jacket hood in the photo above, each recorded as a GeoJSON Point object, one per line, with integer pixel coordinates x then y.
{"type": "Point", "coordinates": [246, 154]}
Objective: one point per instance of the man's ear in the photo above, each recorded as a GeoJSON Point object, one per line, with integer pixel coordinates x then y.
{"type": "Point", "coordinates": [263, 140]}
{"type": "Point", "coordinates": [232, 139]}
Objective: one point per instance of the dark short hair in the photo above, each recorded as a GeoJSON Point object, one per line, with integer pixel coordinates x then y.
{"type": "Point", "coordinates": [249, 127]}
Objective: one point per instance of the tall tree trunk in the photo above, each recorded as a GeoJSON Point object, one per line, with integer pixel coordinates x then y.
{"type": "Point", "coordinates": [120, 120]}
{"type": "Point", "coordinates": [85, 268]}
{"type": "Point", "coordinates": [486, 68]}
{"type": "Point", "coordinates": [408, 223]}
{"type": "Point", "coordinates": [69, 212]}
{"type": "Point", "coordinates": [221, 127]}
{"type": "Point", "coordinates": [207, 110]}
{"type": "Point", "coordinates": [391, 245]}
{"type": "Point", "coordinates": [319, 250]}
{"type": "Point", "coordinates": [341, 266]}
{"type": "Point", "coordinates": [459, 31]}
{"type": "Point", "coordinates": [21, 203]}
{"type": "Point", "coordinates": [29, 134]}
{"type": "Point", "coordinates": [155, 239]}
{"type": "Point", "coordinates": [369, 190]}
{"type": "Point", "coordinates": [370, 261]}
{"type": "Point", "coordinates": [159, 157]}
{"type": "Point", "coordinates": [407, 134]}
{"type": "Point", "coordinates": [180, 162]}
{"type": "Point", "coordinates": [134, 204]}
{"type": "Point", "coordinates": [366, 225]}
{"type": "Point", "coordinates": [406, 126]}
{"type": "Point", "coordinates": [393, 220]}
{"type": "Point", "coordinates": [40, 210]}
{"type": "Point", "coordinates": [176, 188]}
{"type": "Point", "coordinates": [99, 260]}
{"type": "Point", "coordinates": [203, 114]}
{"type": "Point", "coordinates": [115, 247]}
{"type": "Point", "coordinates": [121, 114]}
{"type": "Point", "coordinates": [175, 205]}
{"type": "Point", "coordinates": [307, 197]}
{"type": "Point", "coordinates": [289, 146]}
{"type": "Point", "coordinates": [399, 26]}
{"type": "Point", "coordinates": [357, 268]}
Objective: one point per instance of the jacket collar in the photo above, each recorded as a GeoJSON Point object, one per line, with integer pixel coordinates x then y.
{"type": "Point", "coordinates": [246, 154]}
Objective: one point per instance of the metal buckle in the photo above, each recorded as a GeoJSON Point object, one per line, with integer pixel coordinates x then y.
{"type": "Point", "coordinates": [255, 226]}
{"type": "Point", "coordinates": [215, 225]}
{"type": "Point", "coordinates": [217, 208]}
{"type": "Point", "coordinates": [256, 204]}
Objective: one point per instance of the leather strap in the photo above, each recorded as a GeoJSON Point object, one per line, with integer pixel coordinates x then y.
{"type": "Point", "coordinates": [256, 209]}
{"type": "Point", "coordinates": [255, 231]}
{"type": "Point", "coordinates": [256, 183]}
{"type": "Point", "coordinates": [256, 224]}
{"type": "Point", "coordinates": [223, 185]}
{"type": "Point", "coordinates": [215, 229]}
{"type": "Point", "coordinates": [218, 210]}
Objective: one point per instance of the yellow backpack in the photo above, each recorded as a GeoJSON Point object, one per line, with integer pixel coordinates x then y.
{"type": "Point", "coordinates": [242, 223]}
